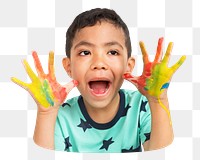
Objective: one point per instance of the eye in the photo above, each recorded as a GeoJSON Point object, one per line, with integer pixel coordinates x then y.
{"type": "Point", "coordinates": [114, 53]}
{"type": "Point", "coordinates": [84, 53]}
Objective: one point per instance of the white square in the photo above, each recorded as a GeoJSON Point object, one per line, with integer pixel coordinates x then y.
{"type": "Point", "coordinates": [181, 148]}
{"type": "Point", "coordinates": [73, 93]}
{"type": "Point", "coordinates": [70, 155]}
{"type": "Point", "coordinates": [60, 40]}
{"type": "Point", "coordinates": [195, 123]}
{"type": "Point", "coordinates": [41, 13]}
{"type": "Point", "coordinates": [32, 115]}
{"type": "Point", "coordinates": [182, 39]}
{"type": "Point", "coordinates": [196, 13]}
{"type": "Point", "coordinates": [90, 4]}
{"type": "Point", "coordinates": [180, 96]}
{"type": "Point", "coordinates": [13, 41]}
{"type": "Point", "coordinates": [195, 68]}
{"type": "Point", "coordinates": [140, 64]}
{"type": "Point", "coordinates": [13, 148]}
{"type": "Point", "coordinates": [10, 92]}
{"type": "Point", "coordinates": [126, 156]}
{"type": "Point", "coordinates": [129, 86]}
{"type": "Point", "coordinates": [151, 13]}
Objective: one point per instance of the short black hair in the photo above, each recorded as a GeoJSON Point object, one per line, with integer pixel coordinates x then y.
{"type": "Point", "coordinates": [90, 18]}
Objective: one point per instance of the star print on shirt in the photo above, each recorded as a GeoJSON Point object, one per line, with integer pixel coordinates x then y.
{"type": "Point", "coordinates": [84, 124]}
{"type": "Point", "coordinates": [138, 149]}
{"type": "Point", "coordinates": [66, 104]}
{"type": "Point", "coordinates": [67, 144]}
{"type": "Point", "coordinates": [106, 144]}
{"type": "Point", "coordinates": [147, 135]}
{"type": "Point", "coordinates": [139, 122]}
{"type": "Point", "coordinates": [125, 110]}
{"type": "Point", "coordinates": [142, 106]}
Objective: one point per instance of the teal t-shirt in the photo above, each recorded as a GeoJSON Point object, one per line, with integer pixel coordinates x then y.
{"type": "Point", "coordinates": [75, 131]}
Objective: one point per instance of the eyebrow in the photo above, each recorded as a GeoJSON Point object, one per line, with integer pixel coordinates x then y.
{"type": "Point", "coordinates": [112, 43]}
{"type": "Point", "coordinates": [85, 43]}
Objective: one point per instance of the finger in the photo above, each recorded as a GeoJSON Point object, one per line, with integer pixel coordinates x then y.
{"type": "Point", "coordinates": [51, 64]}
{"type": "Point", "coordinates": [29, 71]}
{"type": "Point", "coordinates": [20, 83]}
{"type": "Point", "coordinates": [38, 65]}
{"type": "Point", "coordinates": [159, 50]}
{"type": "Point", "coordinates": [69, 86]}
{"type": "Point", "coordinates": [131, 78]}
{"type": "Point", "coordinates": [61, 92]}
{"type": "Point", "coordinates": [144, 53]}
{"type": "Point", "coordinates": [168, 53]}
{"type": "Point", "coordinates": [178, 64]}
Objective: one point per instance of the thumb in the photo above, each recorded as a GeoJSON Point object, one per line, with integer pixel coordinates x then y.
{"type": "Point", "coordinates": [69, 86]}
{"type": "Point", "coordinates": [131, 78]}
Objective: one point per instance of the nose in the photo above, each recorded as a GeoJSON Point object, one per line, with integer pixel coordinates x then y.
{"type": "Point", "coordinates": [99, 63]}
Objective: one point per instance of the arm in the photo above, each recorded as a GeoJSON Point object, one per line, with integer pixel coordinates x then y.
{"type": "Point", "coordinates": [44, 128]}
{"type": "Point", "coordinates": [161, 127]}
{"type": "Point", "coordinates": [153, 83]}
{"type": "Point", "coordinates": [48, 95]}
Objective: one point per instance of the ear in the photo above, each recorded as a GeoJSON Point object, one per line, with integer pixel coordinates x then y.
{"type": "Point", "coordinates": [130, 64]}
{"type": "Point", "coordinates": [67, 66]}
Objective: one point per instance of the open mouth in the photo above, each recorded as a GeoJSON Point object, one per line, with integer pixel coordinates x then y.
{"type": "Point", "coordinates": [99, 87]}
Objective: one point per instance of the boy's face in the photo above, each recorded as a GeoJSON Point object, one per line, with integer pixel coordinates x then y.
{"type": "Point", "coordinates": [98, 61]}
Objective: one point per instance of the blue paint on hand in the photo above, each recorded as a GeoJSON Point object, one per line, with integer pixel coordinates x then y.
{"type": "Point", "coordinates": [165, 86]}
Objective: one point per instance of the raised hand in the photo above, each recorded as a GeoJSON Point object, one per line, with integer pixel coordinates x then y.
{"type": "Point", "coordinates": [156, 75]}
{"type": "Point", "coordinates": [44, 88]}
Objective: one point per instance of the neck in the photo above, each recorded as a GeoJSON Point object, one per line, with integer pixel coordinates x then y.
{"type": "Point", "coordinates": [104, 114]}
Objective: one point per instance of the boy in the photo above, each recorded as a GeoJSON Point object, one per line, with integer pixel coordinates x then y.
{"type": "Point", "coordinates": [104, 118]}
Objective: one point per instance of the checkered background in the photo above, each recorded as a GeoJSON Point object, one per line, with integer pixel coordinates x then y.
{"type": "Point", "coordinates": [41, 25]}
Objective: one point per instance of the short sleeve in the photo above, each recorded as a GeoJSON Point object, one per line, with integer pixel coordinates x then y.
{"type": "Point", "coordinates": [58, 137]}
{"type": "Point", "coordinates": [145, 120]}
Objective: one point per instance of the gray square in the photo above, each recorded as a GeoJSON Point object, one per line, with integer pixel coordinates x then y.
{"type": "Point", "coordinates": [178, 13]}
{"type": "Point", "coordinates": [66, 11]}
{"type": "Point", "coordinates": [196, 146]}
{"type": "Point", "coordinates": [184, 72]}
{"type": "Point", "coordinates": [196, 93]}
{"type": "Point", "coordinates": [150, 38]}
{"type": "Point", "coordinates": [13, 123]}
{"type": "Point", "coordinates": [41, 40]}
{"type": "Point", "coordinates": [196, 40]}
{"type": "Point", "coordinates": [182, 123]}
{"type": "Point", "coordinates": [60, 72]}
{"type": "Point", "coordinates": [11, 66]}
{"type": "Point", "coordinates": [135, 69]}
{"type": "Point", "coordinates": [126, 10]}
{"type": "Point", "coordinates": [13, 13]}
{"type": "Point", "coordinates": [152, 155]}
{"type": "Point", "coordinates": [31, 103]}
{"type": "Point", "coordinates": [36, 152]}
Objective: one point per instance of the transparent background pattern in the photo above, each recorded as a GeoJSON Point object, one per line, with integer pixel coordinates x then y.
{"type": "Point", "coordinates": [27, 25]}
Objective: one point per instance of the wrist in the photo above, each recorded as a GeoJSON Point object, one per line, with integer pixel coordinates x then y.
{"type": "Point", "coordinates": [157, 99]}
{"type": "Point", "coordinates": [163, 98]}
{"type": "Point", "coordinates": [47, 111]}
